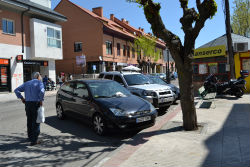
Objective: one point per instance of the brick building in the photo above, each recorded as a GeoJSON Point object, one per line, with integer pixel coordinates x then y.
{"type": "Point", "coordinates": [104, 43]}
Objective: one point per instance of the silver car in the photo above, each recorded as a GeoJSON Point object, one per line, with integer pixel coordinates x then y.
{"type": "Point", "coordinates": [159, 95]}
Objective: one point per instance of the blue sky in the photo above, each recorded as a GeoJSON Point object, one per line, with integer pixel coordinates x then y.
{"type": "Point", "coordinates": [170, 12]}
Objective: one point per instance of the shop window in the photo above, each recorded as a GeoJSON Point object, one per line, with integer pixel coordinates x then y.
{"type": "Point", "coordinates": [133, 52]}
{"type": "Point", "coordinates": [8, 26]}
{"type": "Point", "coordinates": [77, 46]}
{"type": "Point", "coordinates": [195, 68]}
{"type": "Point", "coordinates": [128, 51]}
{"type": "Point", "coordinates": [53, 37]}
{"type": "Point", "coordinates": [124, 50]}
{"type": "Point", "coordinates": [202, 68]}
{"type": "Point", "coordinates": [222, 68]}
{"type": "Point", "coordinates": [246, 64]}
{"type": "Point", "coordinates": [108, 48]}
{"type": "Point", "coordinates": [118, 49]}
{"type": "Point", "coordinates": [213, 68]}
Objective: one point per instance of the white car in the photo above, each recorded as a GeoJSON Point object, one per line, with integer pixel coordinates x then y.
{"type": "Point", "coordinates": [159, 95]}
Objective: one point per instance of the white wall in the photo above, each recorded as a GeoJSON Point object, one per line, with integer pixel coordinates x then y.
{"type": "Point", "coordinates": [16, 69]}
{"type": "Point", "coordinates": [38, 36]}
{"type": "Point", "coordinates": [52, 70]}
{"type": "Point", "coordinates": [46, 3]}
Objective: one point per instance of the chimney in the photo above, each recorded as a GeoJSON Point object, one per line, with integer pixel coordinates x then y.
{"type": "Point", "coordinates": [112, 17]}
{"type": "Point", "coordinates": [142, 29]}
{"type": "Point", "coordinates": [127, 22]}
{"type": "Point", "coordinates": [123, 20]}
{"type": "Point", "coordinates": [139, 28]}
{"type": "Point", "coordinates": [98, 11]}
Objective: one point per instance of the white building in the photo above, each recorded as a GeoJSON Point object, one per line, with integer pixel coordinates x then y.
{"type": "Point", "coordinates": [30, 41]}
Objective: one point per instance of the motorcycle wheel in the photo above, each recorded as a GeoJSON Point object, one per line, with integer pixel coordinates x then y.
{"type": "Point", "coordinates": [239, 93]}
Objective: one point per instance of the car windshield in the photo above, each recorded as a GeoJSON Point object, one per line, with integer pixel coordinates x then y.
{"type": "Point", "coordinates": [156, 80]}
{"type": "Point", "coordinates": [107, 90]}
{"type": "Point", "coordinates": [136, 79]}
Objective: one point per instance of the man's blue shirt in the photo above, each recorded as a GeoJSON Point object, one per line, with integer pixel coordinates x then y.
{"type": "Point", "coordinates": [33, 90]}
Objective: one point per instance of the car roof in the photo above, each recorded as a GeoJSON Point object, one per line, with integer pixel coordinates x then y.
{"type": "Point", "coordinates": [89, 80]}
{"type": "Point", "coordinates": [120, 72]}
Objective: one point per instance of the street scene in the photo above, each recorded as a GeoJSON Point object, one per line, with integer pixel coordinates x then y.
{"type": "Point", "coordinates": [129, 83]}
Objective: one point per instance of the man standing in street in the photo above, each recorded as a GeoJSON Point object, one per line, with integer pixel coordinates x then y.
{"type": "Point", "coordinates": [34, 96]}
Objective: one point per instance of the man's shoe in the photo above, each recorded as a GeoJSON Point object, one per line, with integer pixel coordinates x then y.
{"type": "Point", "coordinates": [35, 143]}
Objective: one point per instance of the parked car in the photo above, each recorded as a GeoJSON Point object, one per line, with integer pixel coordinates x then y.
{"type": "Point", "coordinates": [158, 80]}
{"type": "Point", "coordinates": [138, 84]}
{"type": "Point", "coordinates": [104, 104]}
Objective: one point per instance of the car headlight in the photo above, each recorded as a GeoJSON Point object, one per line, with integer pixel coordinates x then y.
{"type": "Point", "coordinates": [118, 112]}
{"type": "Point", "coordinates": [152, 108]}
{"type": "Point", "coordinates": [149, 93]}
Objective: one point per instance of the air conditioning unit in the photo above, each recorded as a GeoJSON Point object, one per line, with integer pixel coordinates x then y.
{"type": "Point", "coordinates": [241, 47]}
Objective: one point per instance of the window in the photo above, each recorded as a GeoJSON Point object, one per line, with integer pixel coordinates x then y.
{"type": "Point", "coordinates": [53, 38]}
{"type": "Point", "coordinates": [133, 52]}
{"type": "Point", "coordinates": [128, 51]}
{"type": "Point", "coordinates": [118, 49]}
{"type": "Point", "coordinates": [118, 79]}
{"type": "Point", "coordinates": [8, 26]}
{"type": "Point", "coordinates": [246, 64]}
{"type": "Point", "coordinates": [202, 68]}
{"type": "Point", "coordinates": [67, 87]}
{"type": "Point", "coordinates": [108, 48]}
{"type": "Point", "coordinates": [196, 68]}
{"type": "Point", "coordinates": [81, 90]}
{"type": "Point", "coordinates": [222, 68]}
{"type": "Point", "coordinates": [109, 77]}
{"type": "Point", "coordinates": [213, 68]}
{"type": "Point", "coordinates": [124, 50]}
{"type": "Point", "coordinates": [101, 76]}
{"type": "Point", "coordinates": [77, 46]}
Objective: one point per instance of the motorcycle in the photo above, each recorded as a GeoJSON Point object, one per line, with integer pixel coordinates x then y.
{"type": "Point", "coordinates": [235, 87]}
{"type": "Point", "coordinates": [50, 85]}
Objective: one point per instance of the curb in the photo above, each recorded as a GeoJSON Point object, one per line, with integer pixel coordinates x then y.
{"type": "Point", "coordinates": [127, 149]}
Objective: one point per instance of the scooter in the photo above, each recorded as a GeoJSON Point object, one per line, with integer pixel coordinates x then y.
{"type": "Point", "coordinates": [233, 87]}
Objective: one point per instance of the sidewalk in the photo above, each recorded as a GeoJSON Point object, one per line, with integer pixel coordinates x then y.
{"type": "Point", "coordinates": [10, 96]}
{"type": "Point", "coordinates": [222, 140]}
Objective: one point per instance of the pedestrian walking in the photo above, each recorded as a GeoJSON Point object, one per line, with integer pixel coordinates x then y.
{"type": "Point", "coordinates": [34, 96]}
{"type": "Point", "coordinates": [60, 79]}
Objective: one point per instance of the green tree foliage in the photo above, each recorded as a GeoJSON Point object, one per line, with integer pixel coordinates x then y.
{"type": "Point", "coordinates": [147, 46]}
{"type": "Point", "coordinates": [241, 17]}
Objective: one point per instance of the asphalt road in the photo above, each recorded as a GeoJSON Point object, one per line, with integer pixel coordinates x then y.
{"type": "Point", "coordinates": [64, 142]}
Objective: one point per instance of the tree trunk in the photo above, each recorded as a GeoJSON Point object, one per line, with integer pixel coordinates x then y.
{"type": "Point", "coordinates": [187, 97]}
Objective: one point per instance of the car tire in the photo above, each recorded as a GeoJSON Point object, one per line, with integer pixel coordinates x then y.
{"type": "Point", "coordinates": [99, 124]}
{"type": "Point", "coordinates": [59, 112]}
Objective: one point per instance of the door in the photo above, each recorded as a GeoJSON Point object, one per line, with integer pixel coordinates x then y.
{"type": "Point", "coordinates": [4, 78]}
{"type": "Point", "coordinates": [66, 96]}
{"type": "Point", "coordinates": [81, 100]}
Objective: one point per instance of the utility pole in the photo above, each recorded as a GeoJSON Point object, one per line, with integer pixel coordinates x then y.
{"type": "Point", "coordinates": [229, 40]}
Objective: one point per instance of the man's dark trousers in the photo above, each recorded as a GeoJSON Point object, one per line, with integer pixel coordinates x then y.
{"type": "Point", "coordinates": [33, 128]}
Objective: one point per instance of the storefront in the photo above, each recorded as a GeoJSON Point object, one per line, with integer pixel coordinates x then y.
{"type": "Point", "coordinates": [212, 60]}
{"type": "Point", "coordinates": [242, 62]}
{"type": "Point", "coordinates": [5, 75]}
{"type": "Point", "coordinates": [34, 66]}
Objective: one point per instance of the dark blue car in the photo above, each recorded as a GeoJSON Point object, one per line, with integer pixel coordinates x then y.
{"type": "Point", "coordinates": [104, 104]}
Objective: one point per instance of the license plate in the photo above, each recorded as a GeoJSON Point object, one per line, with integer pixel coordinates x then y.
{"type": "Point", "coordinates": [143, 119]}
{"type": "Point", "coordinates": [164, 100]}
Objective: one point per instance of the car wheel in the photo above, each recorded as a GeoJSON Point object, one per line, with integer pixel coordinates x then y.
{"type": "Point", "coordinates": [59, 112]}
{"type": "Point", "coordinates": [99, 124]}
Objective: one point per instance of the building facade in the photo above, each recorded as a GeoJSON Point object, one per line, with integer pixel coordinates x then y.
{"type": "Point", "coordinates": [93, 43]}
{"type": "Point", "coordinates": [212, 58]}
{"type": "Point", "coordinates": [30, 41]}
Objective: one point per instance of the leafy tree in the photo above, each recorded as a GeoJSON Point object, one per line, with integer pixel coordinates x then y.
{"type": "Point", "coordinates": [241, 17]}
{"type": "Point", "coordinates": [192, 22]}
{"type": "Point", "coordinates": [147, 46]}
